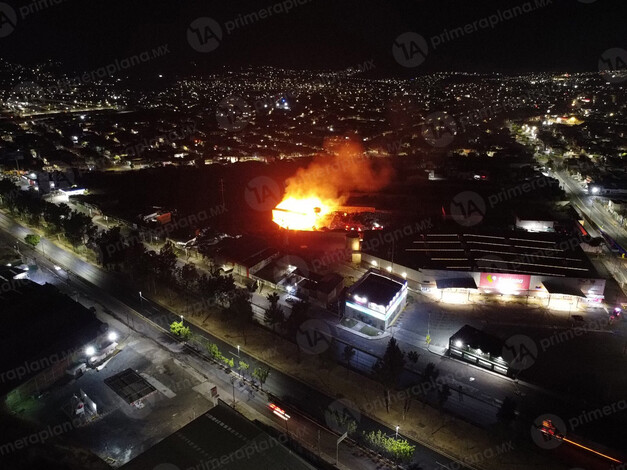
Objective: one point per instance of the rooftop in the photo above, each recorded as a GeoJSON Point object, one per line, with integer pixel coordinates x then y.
{"type": "Point", "coordinates": [220, 438]}
{"type": "Point", "coordinates": [507, 252]}
{"type": "Point", "coordinates": [246, 250]}
{"type": "Point", "coordinates": [376, 288]}
{"type": "Point", "coordinates": [477, 339]}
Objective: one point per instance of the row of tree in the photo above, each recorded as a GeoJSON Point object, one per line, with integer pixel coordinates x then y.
{"type": "Point", "coordinates": [55, 219]}
{"type": "Point", "coordinates": [183, 332]}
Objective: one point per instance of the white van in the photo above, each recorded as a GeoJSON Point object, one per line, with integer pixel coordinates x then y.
{"type": "Point", "coordinates": [76, 370]}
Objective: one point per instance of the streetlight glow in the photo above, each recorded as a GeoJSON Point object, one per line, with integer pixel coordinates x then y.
{"type": "Point", "coordinates": [113, 336]}
{"type": "Point", "coordinates": [90, 350]}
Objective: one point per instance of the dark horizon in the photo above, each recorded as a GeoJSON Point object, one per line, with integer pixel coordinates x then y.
{"type": "Point", "coordinates": [503, 37]}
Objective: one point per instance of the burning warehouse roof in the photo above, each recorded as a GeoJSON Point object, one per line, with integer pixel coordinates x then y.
{"type": "Point", "coordinates": [316, 193]}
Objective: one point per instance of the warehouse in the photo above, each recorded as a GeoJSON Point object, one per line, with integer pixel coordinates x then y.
{"type": "Point", "coordinates": [460, 267]}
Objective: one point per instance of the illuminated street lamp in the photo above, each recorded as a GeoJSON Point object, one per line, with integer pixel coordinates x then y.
{"type": "Point", "coordinates": [90, 351]}
{"type": "Point", "coordinates": [238, 350]}
{"type": "Point", "coordinates": [181, 319]}
{"type": "Point", "coordinates": [113, 336]}
{"type": "Point", "coordinates": [397, 426]}
{"type": "Point", "coordinates": [459, 344]}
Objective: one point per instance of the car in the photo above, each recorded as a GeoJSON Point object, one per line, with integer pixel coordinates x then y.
{"type": "Point", "coordinates": [280, 412]}
{"type": "Point", "coordinates": [76, 370]}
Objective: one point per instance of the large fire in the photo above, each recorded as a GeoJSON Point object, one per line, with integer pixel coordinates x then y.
{"type": "Point", "coordinates": [315, 193]}
{"type": "Point", "coordinates": [302, 214]}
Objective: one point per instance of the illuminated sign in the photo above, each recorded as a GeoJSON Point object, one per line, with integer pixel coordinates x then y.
{"type": "Point", "coordinates": [504, 282]}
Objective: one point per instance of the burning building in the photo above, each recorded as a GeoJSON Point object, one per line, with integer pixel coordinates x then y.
{"type": "Point", "coordinates": [315, 194]}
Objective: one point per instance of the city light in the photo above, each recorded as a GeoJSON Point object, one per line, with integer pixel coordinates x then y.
{"type": "Point", "coordinates": [459, 344]}
{"type": "Point", "coordinates": [90, 351]}
{"type": "Point", "coordinates": [112, 336]}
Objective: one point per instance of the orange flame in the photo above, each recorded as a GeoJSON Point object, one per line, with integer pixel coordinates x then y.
{"type": "Point", "coordinates": [314, 193]}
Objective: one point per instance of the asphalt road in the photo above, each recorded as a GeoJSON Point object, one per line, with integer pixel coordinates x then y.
{"type": "Point", "coordinates": [582, 201]}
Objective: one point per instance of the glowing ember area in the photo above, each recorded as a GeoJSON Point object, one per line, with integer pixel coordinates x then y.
{"type": "Point", "coordinates": [301, 214]}
{"type": "Point", "coordinates": [315, 193]}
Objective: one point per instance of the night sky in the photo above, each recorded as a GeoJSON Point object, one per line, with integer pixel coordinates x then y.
{"type": "Point", "coordinates": [565, 35]}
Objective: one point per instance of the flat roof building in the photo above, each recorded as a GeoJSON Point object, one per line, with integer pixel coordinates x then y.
{"type": "Point", "coordinates": [480, 348]}
{"type": "Point", "coordinates": [220, 438]}
{"type": "Point", "coordinates": [376, 298]}
{"type": "Point", "coordinates": [500, 263]}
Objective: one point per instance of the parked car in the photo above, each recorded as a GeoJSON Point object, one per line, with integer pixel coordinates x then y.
{"type": "Point", "coordinates": [76, 370]}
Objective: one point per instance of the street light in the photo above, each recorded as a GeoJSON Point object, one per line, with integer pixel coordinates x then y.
{"type": "Point", "coordinates": [181, 319]}
{"type": "Point", "coordinates": [397, 431]}
{"type": "Point", "coordinates": [113, 336]}
{"type": "Point", "coordinates": [90, 351]}
{"type": "Point", "coordinates": [238, 350]}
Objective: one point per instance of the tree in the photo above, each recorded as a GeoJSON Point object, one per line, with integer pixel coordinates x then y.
{"type": "Point", "coordinates": [507, 411]}
{"type": "Point", "coordinates": [54, 215]}
{"type": "Point", "coordinates": [413, 356]}
{"type": "Point", "coordinates": [240, 310]}
{"type": "Point", "coordinates": [297, 317]}
{"type": "Point", "coordinates": [8, 192]}
{"type": "Point", "coordinates": [229, 362]}
{"type": "Point", "coordinates": [189, 276]}
{"type": "Point", "coordinates": [32, 240]}
{"type": "Point", "coordinates": [327, 356]}
{"type": "Point", "coordinates": [214, 351]}
{"type": "Point", "coordinates": [398, 449]}
{"type": "Point", "coordinates": [78, 226]}
{"type": "Point", "coordinates": [274, 313]}
{"type": "Point", "coordinates": [178, 329]}
{"type": "Point", "coordinates": [243, 367]}
{"type": "Point", "coordinates": [261, 374]}
{"type": "Point", "coordinates": [443, 393]}
{"type": "Point", "coordinates": [347, 355]}
{"type": "Point", "coordinates": [111, 245]}
{"type": "Point", "coordinates": [165, 262]}
{"type": "Point", "coordinates": [387, 370]}
{"type": "Point", "coordinates": [430, 374]}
